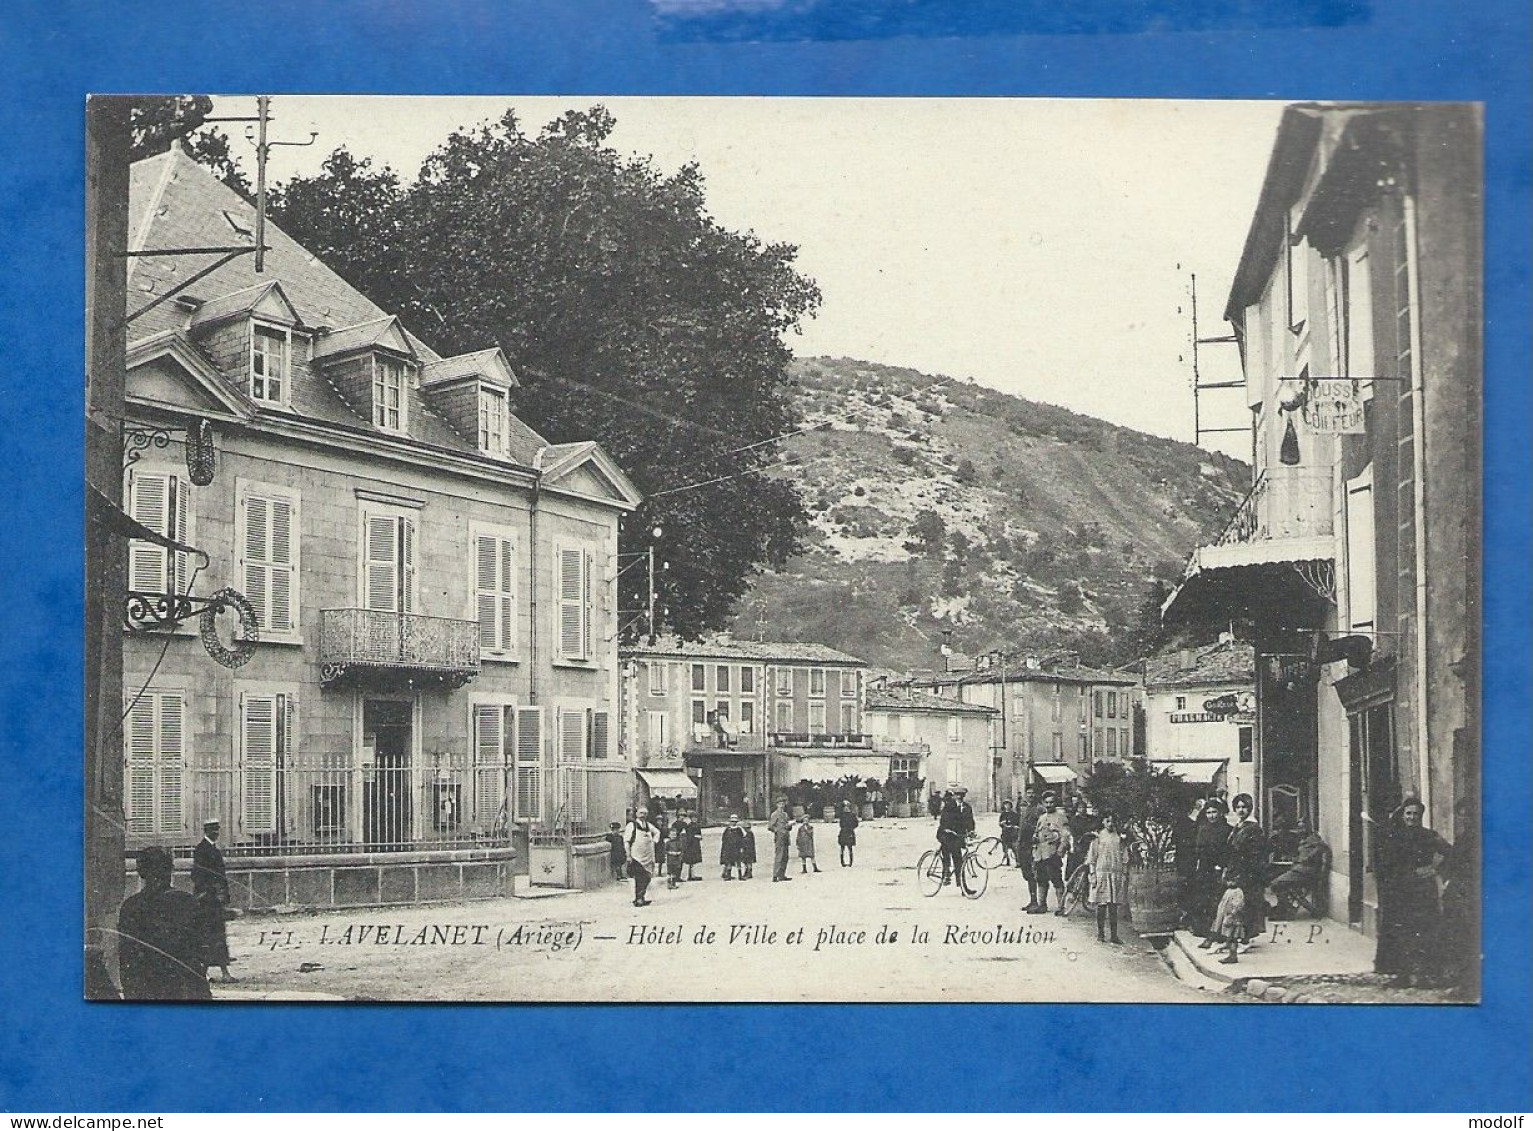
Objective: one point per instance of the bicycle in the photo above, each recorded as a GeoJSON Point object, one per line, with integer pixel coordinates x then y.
{"type": "Point", "coordinates": [973, 876]}
{"type": "Point", "coordinates": [1077, 888]}
{"type": "Point", "coordinates": [989, 852]}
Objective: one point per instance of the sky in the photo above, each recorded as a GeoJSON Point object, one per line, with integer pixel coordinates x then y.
{"type": "Point", "coordinates": [1043, 247]}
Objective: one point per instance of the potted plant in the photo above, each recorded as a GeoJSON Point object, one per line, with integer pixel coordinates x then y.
{"type": "Point", "coordinates": [1147, 803]}
{"type": "Point", "coordinates": [798, 797]}
{"type": "Point", "coordinates": [870, 799]}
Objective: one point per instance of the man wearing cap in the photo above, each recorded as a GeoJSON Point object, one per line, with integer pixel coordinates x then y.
{"type": "Point", "coordinates": [210, 884]}
{"type": "Point", "coordinates": [160, 937]}
{"type": "Point", "coordinates": [1052, 844]}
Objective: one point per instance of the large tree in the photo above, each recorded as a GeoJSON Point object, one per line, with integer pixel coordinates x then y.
{"type": "Point", "coordinates": [631, 316]}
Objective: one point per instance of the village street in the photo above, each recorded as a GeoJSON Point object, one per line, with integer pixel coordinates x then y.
{"type": "Point", "coordinates": [814, 939]}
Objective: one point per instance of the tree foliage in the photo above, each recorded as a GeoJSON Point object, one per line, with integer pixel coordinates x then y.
{"type": "Point", "coordinates": [630, 315]}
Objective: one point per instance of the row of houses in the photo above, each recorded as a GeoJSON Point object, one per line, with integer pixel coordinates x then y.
{"type": "Point", "coordinates": [1354, 562]}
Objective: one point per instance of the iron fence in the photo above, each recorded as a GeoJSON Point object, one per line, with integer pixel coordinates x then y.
{"type": "Point", "coordinates": [333, 809]}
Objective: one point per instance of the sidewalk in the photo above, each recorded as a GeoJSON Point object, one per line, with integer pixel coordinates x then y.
{"type": "Point", "coordinates": [1289, 949]}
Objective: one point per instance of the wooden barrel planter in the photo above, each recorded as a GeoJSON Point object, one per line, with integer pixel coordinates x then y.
{"type": "Point", "coordinates": [1153, 898]}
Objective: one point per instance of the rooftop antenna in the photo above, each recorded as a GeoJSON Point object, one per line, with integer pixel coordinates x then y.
{"type": "Point", "coordinates": [263, 148]}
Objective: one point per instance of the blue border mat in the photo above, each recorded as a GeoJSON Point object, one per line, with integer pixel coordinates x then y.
{"type": "Point", "coordinates": [57, 1053]}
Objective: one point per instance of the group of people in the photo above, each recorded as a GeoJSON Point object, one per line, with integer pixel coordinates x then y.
{"type": "Point", "coordinates": [168, 939]}
{"type": "Point", "coordinates": [638, 846]}
{"type": "Point", "coordinates": [1225, 865]}
{"type": "Point", "coordinates": [1050, 837]}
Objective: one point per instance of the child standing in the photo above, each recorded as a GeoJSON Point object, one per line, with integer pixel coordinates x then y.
{"type": "Point", "coordinates": [805, 838]}
{"type": "Point", "coordinates": [615, 851]}
{"type": "Point", "coordinates": [675, 849]}
{"type": "Point", "coordinates": [748, 851]}
{"type": "Point", "coordinates": [1107, 861]}
{"type": "Point", "coordinates": [847, 838]}
{"type": "Point", "coordinates": [1229, 921]}
{"type": "Point", "coordinates": [732, 848]}
{"type": "Point", "coordinates": [692, 845]}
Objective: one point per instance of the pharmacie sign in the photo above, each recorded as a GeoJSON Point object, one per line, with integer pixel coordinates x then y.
{"type": "Point", "coordinates": [1234, 707]}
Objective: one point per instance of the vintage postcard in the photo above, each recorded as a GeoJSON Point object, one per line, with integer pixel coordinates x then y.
{"type": "Point", "coordinates": [782, 550]}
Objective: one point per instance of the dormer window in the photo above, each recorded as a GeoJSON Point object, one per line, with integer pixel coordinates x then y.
{"type": "Point", "coordinates": [389, 407]}
{"type": "Point", "coordinates": [270, 351]}
{"type": "Point", "coordinates": [492, 420]}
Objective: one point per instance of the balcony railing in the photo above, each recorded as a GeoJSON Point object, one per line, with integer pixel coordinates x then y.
{"type": "Point", "coordinates": [333, 808]}
{"type": "Point", "coordinates": [789, 741]}
{"type": "Point", "coordinates": [356, 641]}
{"type": "Point", "coordinates": [1284, 502]}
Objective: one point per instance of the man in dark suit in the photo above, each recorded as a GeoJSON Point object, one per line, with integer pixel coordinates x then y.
{"type": "Point", "coordinates": [160, 937]}
{"type": "Point", "coordinates": [210, 884]}
{"type": "Point", "coordinates": [781, 828]}
{"type": "Point", "coordinates": [965, 811]}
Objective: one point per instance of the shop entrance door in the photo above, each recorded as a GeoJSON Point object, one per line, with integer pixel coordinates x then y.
{"type": "Point", "coordinates": [1375, 790]}
{"type": "Point", "coordinates": [726, 794]}
{"type": "Point", "coordinates": [387, 733]}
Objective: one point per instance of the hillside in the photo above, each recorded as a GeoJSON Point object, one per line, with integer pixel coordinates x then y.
{"type": "Point", "coordinates": [940, 504]}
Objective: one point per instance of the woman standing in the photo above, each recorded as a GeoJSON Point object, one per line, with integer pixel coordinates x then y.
{"type": "Point", "coordinates": [1206, 883]}
{"type": "Point", "coordinates": [847, 837]}
{"type": "Point", "coordinates": [1107, 864]}
{"type": "Point", "coordinates": [1246, 866]}
{"type": "Point", "coordinates": [1410, 916]}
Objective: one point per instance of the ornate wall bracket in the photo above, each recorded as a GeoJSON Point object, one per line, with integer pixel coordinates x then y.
{"type": "Point", "coordinates": [197, 438]}
{"type": "Point", "coordinates": [165, 612]}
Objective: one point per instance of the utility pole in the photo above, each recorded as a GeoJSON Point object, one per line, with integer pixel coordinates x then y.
{"type": "Point", "coordinates": [263, 107]}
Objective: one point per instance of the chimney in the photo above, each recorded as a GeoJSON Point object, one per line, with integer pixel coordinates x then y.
{"type": "Point", "coordinates": [1186, 658]}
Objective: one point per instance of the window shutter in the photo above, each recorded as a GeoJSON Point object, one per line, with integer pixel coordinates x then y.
{"type": "Point", "coordinates": [490, 757]}
{"type": "Point", "coordinates": [529, 762]}
{"type": "Point", "coordinates": [507, 596]}
{"type": "Point", "coordinates": [571, 592]}
{"type": "Point", "coordinates": [258, 730]}
{"type": "Point", "coordinates": [138, 794]}
{"type": "Point", "coordinates": [257, 554]}
{"type": "Point", "coordinates": [572, 734]}
{"type": "Point", "coordinates": [486, 569]}
{"type": "Point", "coordinates": [1361, 582]}
{"type": "Point", "coordinates": [406, 565]}
{"type": "Point", "coordinates": [599, 728]}
{"type": "Point", "coordinates": [381, 564]}
{"type": "Point", "coordinates": [149, 504]}
{"type": "Point", "coordinates": [172, 754]}
{"type": "Point", "coordinates": [282, 563]}
{"type": "Point", "coordinates": [586, 616]}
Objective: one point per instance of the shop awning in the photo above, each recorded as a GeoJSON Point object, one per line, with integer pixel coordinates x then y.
{"type": "Point", "coordinates": [1194, 771]}
{"type": "Point", "coordinates": [1055, 775]}
{"type": "Point", "coordinates": [668, 783]}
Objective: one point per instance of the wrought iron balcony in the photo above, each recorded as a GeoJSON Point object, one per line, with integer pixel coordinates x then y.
{"type": "Point", "coordinates": [396, 648]}
{"type": "Point", "coordinates": [788, 741]}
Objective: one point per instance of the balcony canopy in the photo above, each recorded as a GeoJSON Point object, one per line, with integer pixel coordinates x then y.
{"type": "Point", "coordinates": [1054, 774]}
{"type": "Point", "coordinates": [1194, 771]}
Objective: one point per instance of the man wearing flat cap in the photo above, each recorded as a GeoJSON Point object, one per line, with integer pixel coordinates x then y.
{"type": "Point", "coordinates": [160, 937]}
{"type": "Point", "coordinates": [210, 884]}
{"type": "Point", "coordinates": [965, 811]}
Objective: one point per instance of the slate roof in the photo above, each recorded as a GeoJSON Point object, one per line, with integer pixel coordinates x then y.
{"type": "Point", "coordinates": [909, 699]}
{"type": "Point", "coordinates": [1017, 673]}
{"type": "Point", "coordinates": [463, 365]}
{"type": "Point", "coordinates": [766, 651]}
{"type": "Point", "coordinates": [175, 202]}
{"type": "Point", "coordinates": [349, 338]}
{"type": "Point", "coordinates": [1228, 662]}
{"type": "Point", "coordinates": [227, 306]}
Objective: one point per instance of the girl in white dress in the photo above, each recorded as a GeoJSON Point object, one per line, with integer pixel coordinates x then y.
{"type": "Point", "coordinates": [1107, 860]}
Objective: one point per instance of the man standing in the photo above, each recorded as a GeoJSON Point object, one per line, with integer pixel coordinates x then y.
{"type": "Point", "coordinates": [1051, 843]}
{"type": "Point", "coordinates": [950, 841]}
{"type": "Point", "coordinates": [640, 838]}
{"type": "Point", "coordinates": [1027, 832]}
{"type": "Point", "coordinates": [210, 884]}
{"type": "Point", "coordinates": [781, 828]}
{"type": "Point", "coordinates": [160, 937]}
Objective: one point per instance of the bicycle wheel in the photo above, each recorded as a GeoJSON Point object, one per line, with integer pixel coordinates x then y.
{"type": "Point", "coordinates": [989, 852]}
{"type": "Point", "coordinates": [975, 877]}
{"type": "Point", "coordinates": [929, 872]}
{"type": "Point", "coordinates": [1076, 889]}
